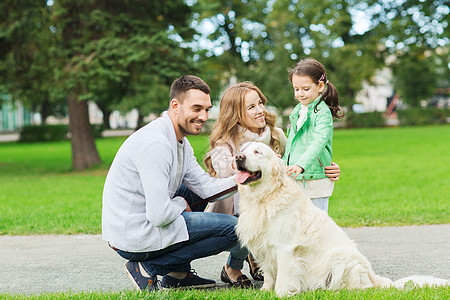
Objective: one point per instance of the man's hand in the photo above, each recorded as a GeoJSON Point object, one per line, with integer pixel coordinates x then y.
{"type": "Point", "coordinates": [333, 171]}
{"type": "Point", "coordinates": [188, 208]}
{"type": "Point", "coordinates": [294, 170]}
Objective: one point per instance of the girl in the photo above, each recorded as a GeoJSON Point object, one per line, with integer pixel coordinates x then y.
{"type": "Point", "coordinates": [242, 118]}
{"type": "Point", "coordinates": [308, 149]}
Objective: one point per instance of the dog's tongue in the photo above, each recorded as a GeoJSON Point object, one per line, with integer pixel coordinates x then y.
{"type": "Point", "coordinates": [242, 176]}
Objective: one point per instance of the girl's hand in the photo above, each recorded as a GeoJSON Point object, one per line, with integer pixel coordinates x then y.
{"type": "Point", "coordinates": [333, 171]}
{"type": "Point", "coordinates": [294, 170]}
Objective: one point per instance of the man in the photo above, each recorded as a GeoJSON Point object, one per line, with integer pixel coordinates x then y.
{"type": "Point", "coordinates": [144, 218]}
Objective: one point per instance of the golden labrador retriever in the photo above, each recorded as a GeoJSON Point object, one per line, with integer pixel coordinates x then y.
{"type": "Point", "coordinates": [298, 246]}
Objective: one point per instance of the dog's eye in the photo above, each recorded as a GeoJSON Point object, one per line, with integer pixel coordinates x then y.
{"type": "Point", "coordinates": [257, 152]}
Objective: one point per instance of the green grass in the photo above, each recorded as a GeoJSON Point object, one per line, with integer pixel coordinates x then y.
{"type": "Point", "coordinates": [395, 176]}
{"type": "Point", "coordinates": [226, 294]}
{"type": "Point", "coordinates": [40, 194]}
{"type": "Point", "coordinates": [392, 176]}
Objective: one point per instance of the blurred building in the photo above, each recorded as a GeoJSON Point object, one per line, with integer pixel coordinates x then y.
{"type": "Point", "coordinates": [374, 96]}
{"type": "Point", "coordinates": [13, 115]}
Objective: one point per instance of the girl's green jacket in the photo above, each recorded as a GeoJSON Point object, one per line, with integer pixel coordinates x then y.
{"type": "Point", "coordinates": [311, 146]}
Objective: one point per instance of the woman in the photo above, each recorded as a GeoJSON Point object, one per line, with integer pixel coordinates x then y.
{"type": "Point", "coordinates": [243, 118]}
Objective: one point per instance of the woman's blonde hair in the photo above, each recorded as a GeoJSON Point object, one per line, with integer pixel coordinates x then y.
{"type": "Point", "coordinates": [232, 113]}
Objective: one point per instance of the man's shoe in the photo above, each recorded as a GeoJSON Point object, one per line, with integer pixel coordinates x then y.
{"type": "Point", "coordinates": [190, 281]}
{"type": "Point", "coordinates": [135, 272]}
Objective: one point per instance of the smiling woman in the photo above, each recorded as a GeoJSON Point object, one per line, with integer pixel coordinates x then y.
{"type": "Point", "coordinates": [254, 118]}
{"type": "Point", "coordinates": [243, 118]}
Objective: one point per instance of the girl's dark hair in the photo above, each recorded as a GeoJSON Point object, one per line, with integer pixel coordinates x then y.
{"type": "Point", "coordinates": [316, 71]}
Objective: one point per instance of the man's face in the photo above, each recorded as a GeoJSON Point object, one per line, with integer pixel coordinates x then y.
{"type": "Point", "coordinates": [192, 113]}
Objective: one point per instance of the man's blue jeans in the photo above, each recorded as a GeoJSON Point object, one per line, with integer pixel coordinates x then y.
{"type": "Point", "coordinates": [209, 234]}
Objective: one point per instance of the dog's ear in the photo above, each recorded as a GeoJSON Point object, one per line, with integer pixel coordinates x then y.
{"type": "Point", "coordinates": [278, 168]}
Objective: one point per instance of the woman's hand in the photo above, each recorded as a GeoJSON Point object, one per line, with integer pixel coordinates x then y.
{"type": "Point", "coordinates": [294, 170]}
{"type": "Point", "coordinates": [333, 171]}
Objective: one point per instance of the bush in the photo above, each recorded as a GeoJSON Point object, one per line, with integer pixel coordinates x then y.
{"type": "Point", "coordinates": [371, 119]}
{"type": "Point", "coordinates": [97, 130]}
{"type": "Point", "coordinates": [43, 133]}
{"type": "Point", "coordinates": [423, 116]}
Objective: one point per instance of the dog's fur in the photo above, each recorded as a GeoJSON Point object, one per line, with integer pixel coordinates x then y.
{"type": "Point", "coordinates": [298, 246]}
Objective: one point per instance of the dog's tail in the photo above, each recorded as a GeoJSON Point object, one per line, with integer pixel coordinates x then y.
{"type": "Point", "coordinates": [420, 281]}
{"type": "Point", "coordinates": [379, 281]}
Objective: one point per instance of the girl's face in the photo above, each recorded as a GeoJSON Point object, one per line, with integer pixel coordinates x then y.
{"type": "Point", "coordinates": [306, 91]}
{"type": "Point", "coordinates": [254, 119]}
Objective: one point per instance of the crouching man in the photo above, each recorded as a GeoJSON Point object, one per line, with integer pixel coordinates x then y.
{"type": "Point", "coordinates": [150, 187]}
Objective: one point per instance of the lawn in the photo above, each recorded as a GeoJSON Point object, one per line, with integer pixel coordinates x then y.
{"type": "Point", "coordinates": [390, 176]}
{"type": "Point", "coordinates": [226, 294]}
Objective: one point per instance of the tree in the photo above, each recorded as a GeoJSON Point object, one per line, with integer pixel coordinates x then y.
{"type": "Point", "coordinates": [102, 43]}
{"type": "Point", "coordinates": [106, 51]}
{"type": "Point", "coordinates": [416, 33]}
{"type": "Point", "coordinates": [415, 77]}
{"type": "Point", "coordinates": [269, 37]}
{"type": "Point", "coordinates": [260, 40]}
{"type": "Point", "coordinates": [325, 31]}
{"type": "Point", "coordinates": [25, 62]}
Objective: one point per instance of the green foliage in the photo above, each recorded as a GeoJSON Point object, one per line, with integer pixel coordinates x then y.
{"type": "Point", "coordinates": [40, 133]}
{"type": "Point", "coordinates": [364, 120]}
{"type": "Point", "coordinates": [260, 40]}
{"type": "Point", "coordinates": [410, 24]}
{"type": "Point", "coordinates": [415, 77]}
{"type": "Point", "coordinates": [123, 55]}
{"type": "Point", "coordinates": [265, 38]}
{"type": "Point", "coordinates": [25, 60]}
{"type": "Point", "coordinates": [423, 116]}
{"type": "Point", "coordinates": [114, 52]}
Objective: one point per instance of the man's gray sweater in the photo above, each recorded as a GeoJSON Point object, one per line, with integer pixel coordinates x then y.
{"type": "Point", "coordinates": [139, 213]}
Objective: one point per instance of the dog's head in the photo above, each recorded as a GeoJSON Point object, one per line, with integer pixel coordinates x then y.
{"type": "Point", "coordinates": [257, 163]}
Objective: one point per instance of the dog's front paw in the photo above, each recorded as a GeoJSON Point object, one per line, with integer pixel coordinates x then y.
{"type": "Point", "coordinates": [284, 293]}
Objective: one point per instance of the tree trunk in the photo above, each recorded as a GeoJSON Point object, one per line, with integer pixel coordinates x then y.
{"type": "Point", "coordinates": [84, 151]}
{"type": "Point", "coordinates": [140, 120]}
{"type": "Point", "coordinates": [45, 110]}
{"type": "Point", "coordinates": [106, 114]}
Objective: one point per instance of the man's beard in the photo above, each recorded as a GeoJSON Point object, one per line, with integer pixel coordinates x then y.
{"type": "Point", "coordinates": [185, 131]}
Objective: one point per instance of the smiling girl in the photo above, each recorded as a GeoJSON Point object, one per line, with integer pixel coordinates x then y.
{"type": "Point", "coordinates": [309, 147]}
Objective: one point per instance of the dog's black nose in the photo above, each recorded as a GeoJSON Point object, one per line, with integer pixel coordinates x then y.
{"type": "Point", "coordinates": [240, 157]}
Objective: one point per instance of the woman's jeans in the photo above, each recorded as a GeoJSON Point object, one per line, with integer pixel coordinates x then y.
{"type": "Point", "coordinates": [209, 234]}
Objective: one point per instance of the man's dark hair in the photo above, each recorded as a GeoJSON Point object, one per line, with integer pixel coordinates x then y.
{"type": "Point", "coordinates": [185, 83]}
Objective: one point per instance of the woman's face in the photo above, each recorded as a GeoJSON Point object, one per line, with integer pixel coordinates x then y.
{"type": "Point", "coordinates": [306, 91]}
{"type": "Point", "coordinates": [254, 118]}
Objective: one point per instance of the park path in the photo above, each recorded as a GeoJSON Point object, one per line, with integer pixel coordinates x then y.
{"type": "Point", "coordinates": [59, 263]}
